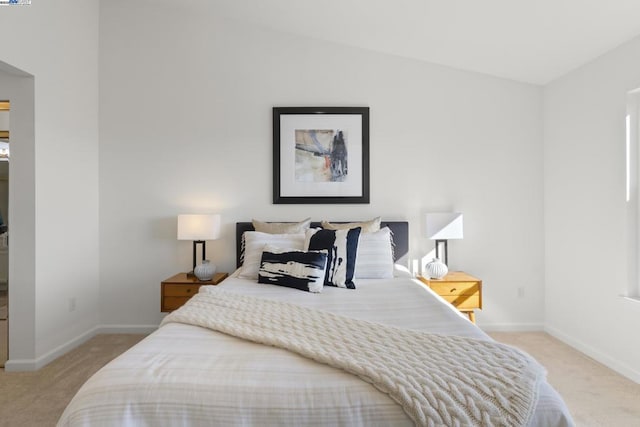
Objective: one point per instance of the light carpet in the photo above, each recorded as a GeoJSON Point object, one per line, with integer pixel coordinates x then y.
{"type": "Point", "coordinates": [595, 395]}
{"type": "Point", "coordinates": [39, 398]}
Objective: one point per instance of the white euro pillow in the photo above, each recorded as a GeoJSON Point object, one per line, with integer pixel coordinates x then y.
{"type": "Point", "coordinates": [375, 255]}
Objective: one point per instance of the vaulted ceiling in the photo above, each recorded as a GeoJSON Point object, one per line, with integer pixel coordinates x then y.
{"type": "Point", "coordinates": [532, 41]}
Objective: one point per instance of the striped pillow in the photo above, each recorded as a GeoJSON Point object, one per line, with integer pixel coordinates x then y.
{"type": "Point", "coordinates": [375, 255]}
{"type": "Point", "coordinates": [293, 269]}
{"type": "Point", "coordinates": [343, 249]}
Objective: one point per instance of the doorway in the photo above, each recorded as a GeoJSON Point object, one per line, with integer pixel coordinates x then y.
{"type": "Point", "coordinates": [4, 234]}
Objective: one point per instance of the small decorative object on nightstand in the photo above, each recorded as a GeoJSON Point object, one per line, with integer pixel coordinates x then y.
{"type": "Point", "coordinates": [460, 289]}
{"type": "Point", "coordinates": [436, 269]}
{"type": "Point", "coordinates": [177, 290]}
{"type": "Point", "coordinates": [204, 271]}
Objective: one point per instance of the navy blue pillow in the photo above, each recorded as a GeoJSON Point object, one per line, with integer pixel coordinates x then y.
{"type": "Point", "coordinates": [293, 269]}
{"type": "Point", "coordinates": [343, 250]}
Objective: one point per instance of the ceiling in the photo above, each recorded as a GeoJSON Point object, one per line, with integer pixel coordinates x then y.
{"type": "Point", "coordinates": [533, 41]}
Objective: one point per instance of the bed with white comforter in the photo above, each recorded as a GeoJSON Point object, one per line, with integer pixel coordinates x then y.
{"type": "Point", "coordinates": [185, 375]}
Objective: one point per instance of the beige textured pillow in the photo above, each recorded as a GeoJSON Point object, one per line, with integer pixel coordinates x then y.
{"type": "Point", "coordinates": [281, 227]}
{"type": "Point", "coordinates": [370, 226]}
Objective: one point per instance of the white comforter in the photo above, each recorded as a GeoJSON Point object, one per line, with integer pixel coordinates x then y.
{"type": "Point", "coordinates": [191, 376]}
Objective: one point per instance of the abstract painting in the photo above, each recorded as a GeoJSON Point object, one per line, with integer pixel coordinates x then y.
{"type": "Point", "coordinates": [321, 155]}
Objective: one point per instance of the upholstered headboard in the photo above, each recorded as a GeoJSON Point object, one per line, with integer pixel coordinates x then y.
{"type": "Point", "coordinates": [399, 229]}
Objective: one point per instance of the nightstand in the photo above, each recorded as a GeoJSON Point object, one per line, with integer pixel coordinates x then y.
{"type": "Point", "coordinates": [177, 290]}
{"type": "Point", "coordinates": [460, 289]}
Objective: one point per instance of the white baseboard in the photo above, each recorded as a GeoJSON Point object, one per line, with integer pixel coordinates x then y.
{"type": "Point", "coordinates": [511, 327]}
{"type": "Point", "coordinates": [605, 359]}
{"type": "Point", "coordinates": [20, 365]}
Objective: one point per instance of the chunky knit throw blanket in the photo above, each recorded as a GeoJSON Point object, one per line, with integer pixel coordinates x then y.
{"type": "Point", "coordinates": [438, 380]}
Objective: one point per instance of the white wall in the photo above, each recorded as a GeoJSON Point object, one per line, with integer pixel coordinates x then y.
{"type": "Point", "coordinates": [586, 229]}
{"type": "Point", "coordinates": [185, 127]}
{"type": "Point", "coordinates": [54, 178]}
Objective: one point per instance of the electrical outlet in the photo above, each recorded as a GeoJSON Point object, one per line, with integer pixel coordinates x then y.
{"type": "Point", "coordinates": [521, 292]}
{"type": "Point", "coordinates": [72, 304]}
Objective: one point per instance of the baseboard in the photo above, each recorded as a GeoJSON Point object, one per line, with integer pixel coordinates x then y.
{"type": "Point", "coordinates": [608, 361]}
{"type": "Point", "coordinates": [511, 327]}
{"type": "Point", "coordinates": [20, 365]}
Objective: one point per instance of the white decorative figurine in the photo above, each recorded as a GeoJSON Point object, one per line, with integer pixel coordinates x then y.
{"type": "Point", "coordinates": [436, 269]}
{"type": "Point", "coordinates": [204, 271]}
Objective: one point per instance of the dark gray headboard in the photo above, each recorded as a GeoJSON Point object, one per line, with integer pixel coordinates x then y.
{"type": "Point", "coordinates": [399, 229]}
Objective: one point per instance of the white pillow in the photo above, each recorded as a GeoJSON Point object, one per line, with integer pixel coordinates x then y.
{"type": "Point", "coordinates": [375, 255]}
{"type": "Point", "coordinates": [254, 242]}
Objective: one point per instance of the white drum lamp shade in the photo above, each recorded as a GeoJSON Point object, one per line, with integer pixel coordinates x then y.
{"type": "Point", "coordinates": [199, 229]}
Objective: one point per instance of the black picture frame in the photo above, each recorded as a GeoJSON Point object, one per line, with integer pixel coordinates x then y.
{"type": "Point", "coordinates": [345, 175]}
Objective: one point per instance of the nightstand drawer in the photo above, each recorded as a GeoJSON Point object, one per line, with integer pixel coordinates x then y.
{"type": "Point", "coordinates": [180, 290]}
{"type": "Point", "coordinates": [455, 288]}
{"type": "Point", "coordinates": [172, 303]}
{"type": "Point", "coordinates": [463, 302]}
{"type": "Point", "coordinates": [177, 290]}
{"type": "Point", "coordinates": [458, 288]}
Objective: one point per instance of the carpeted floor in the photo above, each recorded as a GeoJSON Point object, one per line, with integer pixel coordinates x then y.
{"type": "Point", "coordinates": [595, 395]}
{"type": "Point", "coordinates": [39, 398]}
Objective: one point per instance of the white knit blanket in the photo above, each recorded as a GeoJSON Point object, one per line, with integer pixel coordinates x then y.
{"type": "Point", "coordinates": [438, 380]}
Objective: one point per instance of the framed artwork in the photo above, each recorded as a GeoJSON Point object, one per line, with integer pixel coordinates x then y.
{"type": "Point", "coordinates": [320, 155]}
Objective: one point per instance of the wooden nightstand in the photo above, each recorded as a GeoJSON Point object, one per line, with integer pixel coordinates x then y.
{"type": "Point", "coordinates": [460, 289]}
{"type": "Point", "coordinates": [177, 290]}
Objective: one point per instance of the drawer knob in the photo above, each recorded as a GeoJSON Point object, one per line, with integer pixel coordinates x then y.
{"type": "Point", "coordinates": [188, 290]}
{"type": "Point", "coordinates": [453, 290]}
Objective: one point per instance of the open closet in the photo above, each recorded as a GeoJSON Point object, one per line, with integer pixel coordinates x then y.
{"type": "Point", "coordinates": [4, 234]}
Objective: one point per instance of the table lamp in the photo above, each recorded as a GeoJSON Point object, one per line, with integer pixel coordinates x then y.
{"type": "Point", "coordinates": [442, 227]}
{"type": "Point", "coordinates": [198, 228]}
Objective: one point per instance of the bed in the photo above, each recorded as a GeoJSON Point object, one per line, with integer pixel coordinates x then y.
{"type": "Point", "coordinates": [186, 375]}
